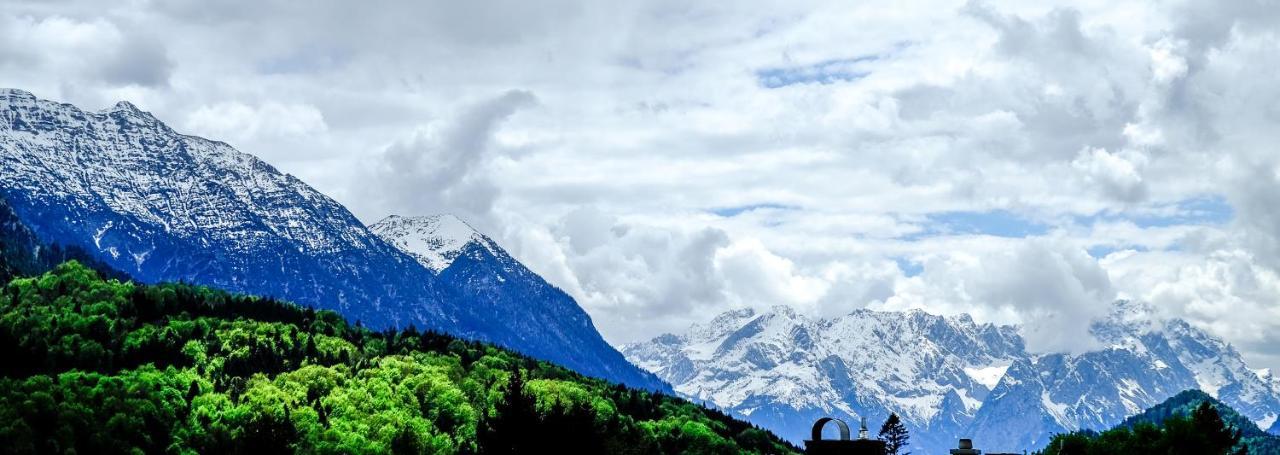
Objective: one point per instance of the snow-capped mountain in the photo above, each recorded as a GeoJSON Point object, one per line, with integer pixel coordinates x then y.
{"type": "Point", "coordinates": [434, 240]}
{"type": "Point", "coordinates": [495, 284]}
{"type": "Point", "coordinates": [164, 206]}
{"type": "Point", "coordinates": [947, 377]}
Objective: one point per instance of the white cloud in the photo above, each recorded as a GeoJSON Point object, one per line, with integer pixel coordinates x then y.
{"type": "Point", "coordinates": [1115, 175]}
{"type": "Point", "coordinates": [1088, 126]}
{"type": "Point", "coordinates": [94, 52]}
{"type": "Point", "coordinates": [1054, 293]}
{"type": "Point", "coordinates": [1224, 291]}
{"type": "Point", "coordinates": [239, 122]}
{"type": "Point", "coordinates": [441, 169]}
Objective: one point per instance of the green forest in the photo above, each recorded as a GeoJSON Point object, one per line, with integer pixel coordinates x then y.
{"type": "Point", "coordinates": [97, 365]}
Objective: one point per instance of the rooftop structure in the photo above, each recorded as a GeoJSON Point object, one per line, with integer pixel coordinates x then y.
{"type": "Point", "coordinates": [843, 446]}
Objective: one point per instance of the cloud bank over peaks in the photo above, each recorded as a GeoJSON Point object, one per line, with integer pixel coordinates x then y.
{"type": "Point", "coordinates": [1053, 293]}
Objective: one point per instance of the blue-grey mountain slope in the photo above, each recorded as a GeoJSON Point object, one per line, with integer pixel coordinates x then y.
{"type": "Point", "coordinates": [545, 321]}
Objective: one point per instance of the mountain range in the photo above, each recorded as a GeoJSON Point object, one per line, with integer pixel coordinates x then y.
{"type": "Point", "coordinates": [948, 377]}
{"type": "Point", "coordinates": [159, 206]}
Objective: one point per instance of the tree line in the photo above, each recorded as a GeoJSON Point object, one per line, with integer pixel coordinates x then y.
{"type": "Point", "coordinates": [104, 366]}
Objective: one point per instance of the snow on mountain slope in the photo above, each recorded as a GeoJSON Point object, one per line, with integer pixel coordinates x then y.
{"type": "Point", "coordinates": [496, 285]}
{"type": "Point", "coordinates": [435, 240]}
{"type": "Point", "coordinates": [948, 377]}
{"type": "Point", "coordinates": [163, 206]}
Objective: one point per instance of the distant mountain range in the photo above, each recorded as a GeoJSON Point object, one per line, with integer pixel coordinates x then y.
{"type": "Point", "coordinates": [948, 377]}
{"type": "Point", "coordinates": [158, 205]}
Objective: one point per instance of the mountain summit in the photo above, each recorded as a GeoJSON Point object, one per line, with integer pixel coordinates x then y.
{"type": "Point", "coordinates": [164, 206]}
{"type": "Point", "coordinates": [435, 240]}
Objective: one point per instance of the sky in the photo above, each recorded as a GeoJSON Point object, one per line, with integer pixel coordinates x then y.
{"type": "Point", "coordinates": [666, 161]}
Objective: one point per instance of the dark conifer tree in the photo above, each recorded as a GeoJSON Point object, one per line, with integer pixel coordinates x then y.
{"type": "Point", "coordinates": [310, 352]}
{"type": "Point", "coordinates": [510, 429]}
{"type": "Point", "coordinates": [193, 391]}
{"type": "Point", "coordinates": [1217, 434]}
{"type": "Point", "coordinates": [895, 436]}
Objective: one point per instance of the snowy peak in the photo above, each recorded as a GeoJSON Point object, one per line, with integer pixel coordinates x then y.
{"type": "Point", "coordinates": [125, 107]}
{"type": "Point", "coordinates": [434, 240]}
{"type": "Point", "coordinates": [131, 112]}
{"type": "Point", "coordinates": [16, 100]}
{"type": "Point", "coordinates": [10, 95]}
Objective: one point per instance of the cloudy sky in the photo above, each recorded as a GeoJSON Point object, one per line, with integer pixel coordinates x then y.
{"type": "Point", "coordinates": [666, 161]}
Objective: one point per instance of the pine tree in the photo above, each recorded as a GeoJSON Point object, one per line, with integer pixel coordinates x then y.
{"type": "Point", "coordinates": [1208, 422]}
{"type": "Point", "coordinates": [894, 435]}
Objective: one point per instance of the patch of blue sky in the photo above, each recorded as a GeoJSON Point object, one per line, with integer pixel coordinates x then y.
{"type": "Point", "coordinates": [824, 72]}
{"type": "Point", "coordinates": [908, 267]}
{"type": "Point", "coordinates": [1209, 210]}
{"type": "Point", "coordinates": [730, 212]}
{"type": "Point", "coordinates": [1199, 211]}
{"type": "Point", "coordinates": [1101, 251]}
{"type": "Point", "coordinates": [997, 223]}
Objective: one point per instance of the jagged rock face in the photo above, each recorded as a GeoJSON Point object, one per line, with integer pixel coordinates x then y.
{"type": "Point", "coordinates": [539, 318]}
{"type": "Point", "coordinates": [947, 377]}
{"type": "Point", "coordinates": [163, 206]}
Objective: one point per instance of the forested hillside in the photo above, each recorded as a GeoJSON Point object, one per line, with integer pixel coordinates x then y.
{"type": "Point", "coordinates": [1190, 422]}
{"type": "Point", "coordinates": [95, 365]}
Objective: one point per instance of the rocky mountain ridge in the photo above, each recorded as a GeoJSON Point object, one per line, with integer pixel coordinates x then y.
{"type": "Point", "coordinates": [947, 377]}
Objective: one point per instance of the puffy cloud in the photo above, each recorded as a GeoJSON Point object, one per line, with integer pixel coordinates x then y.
{"type": "Point", "coordinates": [1116, 175]}
{"type": "Point", "coordinates": [93, 52]}
{"type": "Point", "coordinates": [626, 273]}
